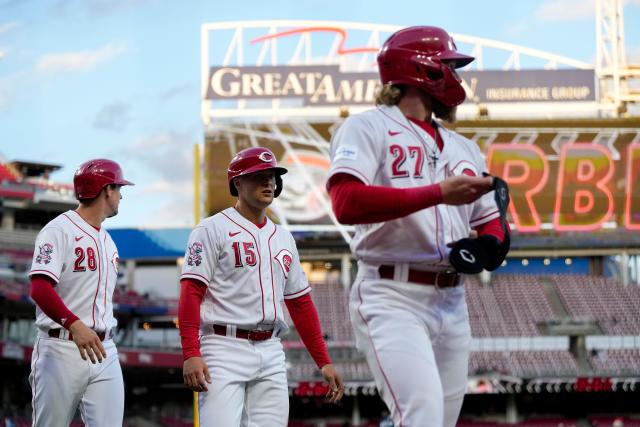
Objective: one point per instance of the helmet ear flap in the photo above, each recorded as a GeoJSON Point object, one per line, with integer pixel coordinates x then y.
{"type": "Point", "coordinates": [278, 190]}
{"type": "Point", "coordinates": [232, 189]}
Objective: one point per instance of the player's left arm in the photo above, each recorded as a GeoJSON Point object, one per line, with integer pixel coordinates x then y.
{"type": "Point", "coordinates": [305, 318]}
{"type": "Point", "coordinates": [488, 218]}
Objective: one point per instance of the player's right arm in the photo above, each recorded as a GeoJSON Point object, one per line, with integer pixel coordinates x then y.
{"type": "Point", "coordinates": [354, 202]}
{"type": "Point", "coordinates": [356, 158]}
{"type": "Point", "coordinates": [48, 259]}
{"type": "Point", "coordinates": [194, 371]}
{"type": "Point", "coordinates": [197, 272]}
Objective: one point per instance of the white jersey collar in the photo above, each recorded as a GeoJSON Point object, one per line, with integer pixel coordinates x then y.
{"type": "Point", "coordinates": [80, 222]}
{"type": "Point", "coordinates": [237, 216]}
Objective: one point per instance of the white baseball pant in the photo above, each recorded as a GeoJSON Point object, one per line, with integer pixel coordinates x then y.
{"type": "Point", "coordinates": [249, 383]}
{"type": "Point", "coordinates": [416, 339]}
{"type": "Point", "coordinates": [60, 381]}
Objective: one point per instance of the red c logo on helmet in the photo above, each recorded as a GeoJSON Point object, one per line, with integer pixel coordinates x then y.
{"type": "Point", "coordinates": [266, 157]}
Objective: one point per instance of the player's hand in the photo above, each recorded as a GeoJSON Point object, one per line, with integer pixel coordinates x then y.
{"type": "Point", "coordinates": [196, 374]}
{"type": "Point", "coordinates": [336, 385]}
{"type": "Point", "coordinates": [464, 189]}
{"type": "Point", "coordinates": [88, 342]}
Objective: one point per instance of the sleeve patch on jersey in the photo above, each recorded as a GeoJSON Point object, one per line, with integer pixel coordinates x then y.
{"type": "Point", "coordinates": [285, 259]}
{"type": "Point", "coordinates": [347, 152]}
{"type": "Point", "coordinates": [115, 261]}
{"type": "Point", "coordinates": [44, 253]}
{"type": "Point", "coordinates": [195, 254]}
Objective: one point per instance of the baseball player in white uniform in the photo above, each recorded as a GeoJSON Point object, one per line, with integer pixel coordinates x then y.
{"type": "Point", "coordinates": [415, 190]}
{"type": "Point", "coordinates": [73, 276]}
{"type": "Point", "coordinates": [239, 269]}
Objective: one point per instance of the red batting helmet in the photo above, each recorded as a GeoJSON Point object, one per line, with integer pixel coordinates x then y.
{"type": "Point", "coordinates": [415, 55]}
{"type": "Point", "coordinates": [252, 160]}
{"type": "Point", "coordinates": [92, 176]}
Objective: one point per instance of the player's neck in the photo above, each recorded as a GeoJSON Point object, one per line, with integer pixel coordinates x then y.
{"type": "Point", "coordinates": [414, 104]}
{"type": "Point", "coordinates": [251, 213]}
{"type": "Point", "coordinates": [92, 215]}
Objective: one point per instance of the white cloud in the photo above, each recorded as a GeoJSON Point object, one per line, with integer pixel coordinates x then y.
{"type": "Point", "coordinates": [78, 61]}
{"type": "Point", "coordinates": [517, 28]}
{"type": "Point", "coordinates": [8, 26]}
{"type": "Point", "coordinates": [3, 53]}
{"type": "Point", "coordinates": [566, 10]}
{"type": "Point", "coordinates": [114, 117]}
{"type": "Point", "coordinates": [169, 154]}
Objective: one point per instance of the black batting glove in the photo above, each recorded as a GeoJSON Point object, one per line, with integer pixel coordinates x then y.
{"type": "Point", "coordinates": [467, 256]}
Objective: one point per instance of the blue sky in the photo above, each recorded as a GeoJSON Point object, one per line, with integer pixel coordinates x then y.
{"type": "Point", "coordinates": [82, 79]}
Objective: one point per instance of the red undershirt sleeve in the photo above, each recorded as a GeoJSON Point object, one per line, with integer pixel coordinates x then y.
{"type": "Point", "coordinates": [191, 295]}
{"type": "Point", "coordinates": [357, 203]}
{"type": "Point", "coordinates": [43, 294]}
{"type": "Point", "coordinates": [493, 228]}
{"type": "Point", "coordinates": [305, 318]}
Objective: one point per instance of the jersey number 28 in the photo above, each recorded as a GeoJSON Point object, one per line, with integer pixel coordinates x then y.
{"type": "Point", "coordinates": [80, 256]}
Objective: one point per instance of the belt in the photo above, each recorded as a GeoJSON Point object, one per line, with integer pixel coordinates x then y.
{"type": "Point", "coordinates": [251, 335]}
{"type": "Point", "coordinates": [64, 334]}
{"type": "Point", "coordinates": [441, 280]}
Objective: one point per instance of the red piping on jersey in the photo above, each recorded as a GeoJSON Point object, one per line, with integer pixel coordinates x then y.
{"type": "Point", "coordinates": [436, 212]}
{"type": "Point", "coordinates": [34, 272]}
{"type": "Point", "coordinates": [93, 309]}
{"type": "Point", "coordinates": [186, 276]}
{"type": "Point", "coordinates": [485, 216]}
{"type": "Point", "coordinates": [35, 376]}
{"type": "Point", "coordinates": [259, 261]}
{"type": "Point", "coordinates": [296, 293]}
{"type": "Point", "coordinates": [106, 283]}
{"type": "Point", "coordinates": [273, 291]}
{"type": "Point", "coordinates": [464, 161]}
{"type": "Point", "coordinates": [375, 351]}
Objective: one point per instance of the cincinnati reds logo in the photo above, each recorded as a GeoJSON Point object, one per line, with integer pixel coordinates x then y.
{"type": "Point", "coordinates": [44, 255]}
{"type": "Point", "coordinates": [195, 254]}
{"type": "Point", "coordinates": [114, 261]}
{"type": "Point", "coordinates": [266, 157]}
{"type": "Point", "coordinates": [284, 259]}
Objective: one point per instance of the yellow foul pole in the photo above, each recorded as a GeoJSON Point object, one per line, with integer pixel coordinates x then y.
{"type": "Point", "coordinates": [196, 184]}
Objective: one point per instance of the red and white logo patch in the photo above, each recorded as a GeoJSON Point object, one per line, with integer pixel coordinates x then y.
{"type": "Point", "coordinates": [285, 258]}
{"type": "Point", "coordinates": [115, 261]}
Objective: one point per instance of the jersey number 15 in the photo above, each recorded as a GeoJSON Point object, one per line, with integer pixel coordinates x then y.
{"type": "Point", "coordinates": [250, 255]}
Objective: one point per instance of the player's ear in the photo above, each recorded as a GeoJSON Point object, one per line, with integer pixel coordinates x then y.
{"type": "Point", "coordinates": [236, 183]}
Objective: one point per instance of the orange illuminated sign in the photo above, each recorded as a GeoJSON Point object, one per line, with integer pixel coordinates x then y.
{"type": "Point", "coordinates": [584, 190]}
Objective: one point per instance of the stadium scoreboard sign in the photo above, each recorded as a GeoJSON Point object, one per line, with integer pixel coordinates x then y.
{"type": "Point", "coordinates": [563, 177]}
{"type": "Point", "coordinates": [322, 85]}
{"type": "Point", "coordinates": [586, 187]}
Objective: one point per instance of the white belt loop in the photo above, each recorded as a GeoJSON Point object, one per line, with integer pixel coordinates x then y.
{"type": "Point", "coordinates": [231, 331]}
{"type": "Point", "coordinates": [401, 272]}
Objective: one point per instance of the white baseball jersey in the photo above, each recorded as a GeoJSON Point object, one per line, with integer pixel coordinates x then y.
{"type": "Point", "coordinates": [84, 263]}
{"type": "Point", "coordinates": [382, 147]}
{"type": "Point", "coordinates": [248, 270]}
